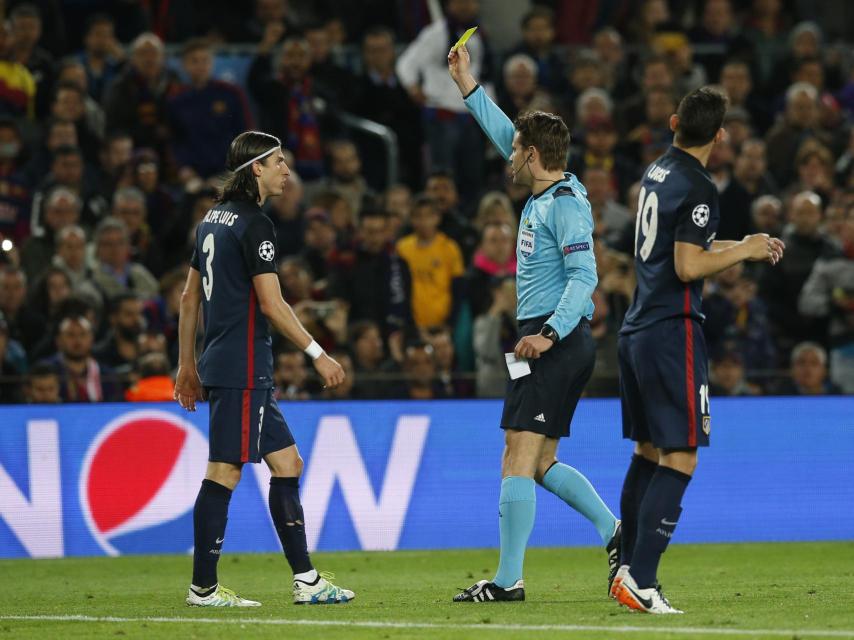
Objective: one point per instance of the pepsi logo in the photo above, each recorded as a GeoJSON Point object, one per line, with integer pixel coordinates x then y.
{"type": "Point", "coordinates": [139, 481]}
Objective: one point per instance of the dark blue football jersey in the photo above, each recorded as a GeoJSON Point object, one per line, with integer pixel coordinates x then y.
{"type": "Point", "coordinates": [678, 202]}
{"type": "Point", "coordinates": [234, 242]}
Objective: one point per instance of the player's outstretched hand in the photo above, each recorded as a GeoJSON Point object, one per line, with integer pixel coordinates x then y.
{"type": "Point", "coordinates": [331, 372]}
{"type": "Point", "coordinates": [764, 248]}
{"type": "Point", "coordinates": [459, 63]}
{"type": "Point", "coordinates": [532, 347]}
{"type": "Point", "coordinates": [188, 388]}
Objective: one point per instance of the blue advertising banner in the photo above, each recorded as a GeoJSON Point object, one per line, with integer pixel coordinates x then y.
{"type": "Point", "coordinates": [113, 479]}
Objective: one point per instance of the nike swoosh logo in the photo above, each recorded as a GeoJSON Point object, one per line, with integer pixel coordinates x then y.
{"type": "Point", "coordinates": [219, 540]}
{"type": "Point", "coordinates": [667, 523]}
{"type": "Point", "coordinates": [646, 602]}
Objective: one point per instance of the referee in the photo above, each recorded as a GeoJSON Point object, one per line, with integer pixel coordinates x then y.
{"type": "Point", "coordinates": [555, 278]}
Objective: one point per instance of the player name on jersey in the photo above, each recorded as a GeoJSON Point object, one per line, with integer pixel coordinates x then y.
{"type": "Point", "coordinates": [221, 216]}
{"type": "Point", "coordinates": [656, 173]}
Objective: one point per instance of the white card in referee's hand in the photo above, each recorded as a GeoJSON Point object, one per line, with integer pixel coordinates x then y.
{"type": "Point", "coordinates": [517, 367]}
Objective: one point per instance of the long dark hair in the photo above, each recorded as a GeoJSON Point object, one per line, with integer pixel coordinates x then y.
{"type": "Point", "coordinates": [243, 185]}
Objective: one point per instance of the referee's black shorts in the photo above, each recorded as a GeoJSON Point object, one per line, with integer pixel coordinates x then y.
{"type": "Point", "coordinates": [544, 401]}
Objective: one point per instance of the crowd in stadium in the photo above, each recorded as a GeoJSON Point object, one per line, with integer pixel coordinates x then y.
{"type": "Point", "coordinates": [114, 131]}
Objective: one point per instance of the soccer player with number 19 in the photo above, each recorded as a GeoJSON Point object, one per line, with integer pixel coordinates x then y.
{"type": "Point", "coordinates": [662, 357]}
{"type": "Point", "coordinates": [233, 277]}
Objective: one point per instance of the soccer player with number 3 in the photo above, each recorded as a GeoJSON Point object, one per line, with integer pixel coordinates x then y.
{"type": "Point", "coordinates": [233, 277]}
{"type": "Point", "coordinates": [664, 385]}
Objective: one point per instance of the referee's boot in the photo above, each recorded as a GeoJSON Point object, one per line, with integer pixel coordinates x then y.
{"type": "Point", "coordinates": [485, 591]}
{"type": "Point", "coordinates": [613, 551]}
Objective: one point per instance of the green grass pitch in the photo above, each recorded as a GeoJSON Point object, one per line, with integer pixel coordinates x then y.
{"type": "Point", "coordinates": [802, 590]}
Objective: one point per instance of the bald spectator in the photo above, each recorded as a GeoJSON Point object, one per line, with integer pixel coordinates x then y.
{"type": "Point", "coordinates": [136, 100]}
{"type": "Point", "coordinates": [808, 373]}
{"type": "Point", "coordinates": [781, 287]}
{"type": "Point", "coordinates": [61, 209]}
{"type": "Point", "coordinates": [799, 121]}
{"type": "Point", "coordinates": [114, 271]}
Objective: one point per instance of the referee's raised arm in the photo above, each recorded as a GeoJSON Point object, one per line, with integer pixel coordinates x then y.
{"type": "Point", "coordinates": [494, 122]}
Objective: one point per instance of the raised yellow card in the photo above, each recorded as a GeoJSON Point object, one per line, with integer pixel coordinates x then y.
{"type": "Point", "coordinates": [464, 38]}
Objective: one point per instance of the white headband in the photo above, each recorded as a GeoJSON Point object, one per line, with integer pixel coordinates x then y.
{"type": "Point", "coordinates": [248, 162]}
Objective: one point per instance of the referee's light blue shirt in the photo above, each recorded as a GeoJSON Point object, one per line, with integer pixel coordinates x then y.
{"type": "Point", "coordinates": [556, 271]}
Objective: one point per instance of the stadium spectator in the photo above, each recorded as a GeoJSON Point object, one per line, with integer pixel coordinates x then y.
{"type": "Point", "coordinates": [655, 75]}
{"type": "Point", "coordinates": [600, 151]}
{"type": "Point", "coordinates": [120, 348]}
{"type": "Point", "coordinates": [494, 259]}
{"type": "Point", "coordinates": [609, 47]}
{"type": "Point", "coordinates": [751, 169]}
{"type": "Point", "coordinates": [114, 162]}
{"type": "Point", "coordinates": [26, 24]}
{"type": "Point", "coordinates": [70, 255]}
{"type": "Point", "coordinates": [12, 365]}
{"type": "Point", "coordinates": [17, 86]}
{"type": "Point", "coordinates": [332, 80]}
{"type": "Point", "coordinates": [318, 242]}
{"type": "Point", "coordinates": [592, 104]}
{"type": "Point", "coordinates": [161, 313]}
{"type": "Point", "coordinates": [71, 72]}
{"type": "Point", "coordinates": [129, 206]}
{"type": "Point", "coordinates": [204, 115]}
{"type": "Point", "coordinates": [586, 72]}
{"type": "Point", "coordinates": [136, 100]}
{"type": "Point", "coordinates": [442, 189]}
{"type": "Point", "coordinates": [451, 134]}
{"type": "Point", "coordinates": [718, 26]}
{"type": "Point", "coordinates": [371, 278]}
{"type": "Point", "coordinates": [798, 122]}
{"type": "Point", "coordinates": [419, 370]}
{"type": "Point", "coordinates": [286, 212]}
{"type": "Point", "coordinates": [671, 42]}
{"type": "Point", "coordinates": [114, 272]}
{"type": "Point", "coordinates": [610, 217]}
{"type": "Point", "coordinates": [828, 293]}
{"type": "Point", "coordinates": [808, 373]}
{"type": "Point", "coordinates": [341, 215]}
{"type": "Point", "coordinates": [436, 264]}
{"type": "Point", "coordinates": [766, 213]}
{"type": "Point", "coordinates": [24, 325]}
{"type": "Point", "coordinates": [653, 136]}
{"type": "Point", "coordinates": [738, 126]}
{"type": "Point", "coordinates": [82, 377]}
{"type": "Point", "coordinates": [444, 354]}
{"type": "Point", "coordinates": [727, 376]}
{"type": "Point", "coordinates": [102, 56]}
{"type": "Point", "coordinates": [521, 89]}
{"type": "Point", "coordinates": [494, 335]}
{"type": "Point", "coordinates": [538, 43]}
{"type": "Point", "coordinates": [146, 170]}
{"type": "Point", "coordinates": [345, 176]}
{"type": "Point", "coordinates": [42, 385]}
{"type": "Point", "coordinates": [369, 361]}
{"type": "Point", "coordinates": [381, 97]}
{"type": "Point", "coordinates": [291, 375]}
{"type": "Point", "coordinates": [68, 170]}
{"type": "Point", "coordinates": [286, 100]}
{"type": "Point", "coordinates": [736, 319]}
{"type": "Point", "coordinates": [737, 81]}
{"type": "Point", "coordinates": [15, 182]}
{"type": "Point", "coordinates": [48, 293]}
{"type": "Point", "coordinates": [781, 287]}
{"type": "Point", "coordinates": [154, 384]}
{"type": "Point", "coordinates": [733, 198]}
{"type": "Point", "coordinates": [814, 164]}
{"type": "Point", "coordinates": [61, 209]}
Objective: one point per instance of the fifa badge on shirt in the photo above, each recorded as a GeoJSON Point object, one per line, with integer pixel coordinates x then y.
{"type": "Point", "coordinates": [526, 242]}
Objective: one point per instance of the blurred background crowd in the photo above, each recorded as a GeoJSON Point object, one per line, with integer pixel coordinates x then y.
{"type": "Point", "coordinates": [397, 231]}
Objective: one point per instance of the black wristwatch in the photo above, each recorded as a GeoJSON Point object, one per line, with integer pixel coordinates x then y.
{"type": "Point", "coordinates": [550, 333]}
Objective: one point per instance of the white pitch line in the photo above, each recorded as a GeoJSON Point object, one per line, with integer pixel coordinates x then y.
{"type": "Point", "coordinates": [567, 628]}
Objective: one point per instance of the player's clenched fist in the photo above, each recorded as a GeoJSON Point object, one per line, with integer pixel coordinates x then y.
{"type": "Point", "coordinates": [331, 372]}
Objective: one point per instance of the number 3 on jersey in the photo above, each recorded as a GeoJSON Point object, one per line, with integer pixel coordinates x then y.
{"type": "Point", "coordinates": [647, 223]}
{"type": "Point", "coordinates": [208, 250]}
